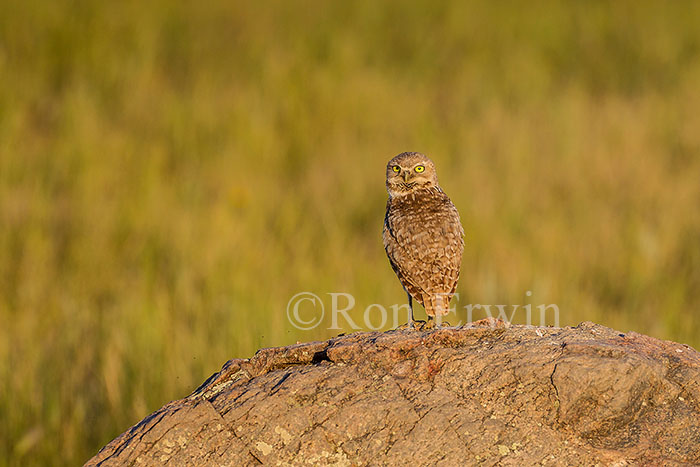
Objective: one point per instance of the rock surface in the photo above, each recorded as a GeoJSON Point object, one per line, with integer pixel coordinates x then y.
{"type": "Point", "coordinates": [484, 394]}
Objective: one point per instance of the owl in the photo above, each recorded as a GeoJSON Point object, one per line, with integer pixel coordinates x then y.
{"type": "Point", "coordinates": [423, 236]}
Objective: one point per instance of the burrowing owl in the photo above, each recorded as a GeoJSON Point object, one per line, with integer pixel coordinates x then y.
{"type": "Point", "coordinates": [423, 237]}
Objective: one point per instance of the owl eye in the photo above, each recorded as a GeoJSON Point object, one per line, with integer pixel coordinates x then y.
{"type": "Point", "coordinates": [419, 168]}
{"type": "Point", "coordinates": [395, 168]}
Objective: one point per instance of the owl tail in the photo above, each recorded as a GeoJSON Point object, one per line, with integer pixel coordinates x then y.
{"type": "Point", "coordinates": [437, 304]}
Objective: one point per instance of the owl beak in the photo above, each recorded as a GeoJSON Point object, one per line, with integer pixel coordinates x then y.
{"type": "Point", "coordinates": [405, 176]}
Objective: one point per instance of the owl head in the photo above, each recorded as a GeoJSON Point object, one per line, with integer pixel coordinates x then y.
{"type": "Point", "coordinates": [408, 172]}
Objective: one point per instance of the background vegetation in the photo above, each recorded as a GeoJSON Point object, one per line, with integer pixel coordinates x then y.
{"type": "Point", "coordinates": [171, 173]}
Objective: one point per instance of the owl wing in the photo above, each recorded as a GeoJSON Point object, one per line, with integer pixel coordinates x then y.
{"type": "Point", "coordinates": [400, 256]}
{"type": "Point", "coordinates": [402, 261]}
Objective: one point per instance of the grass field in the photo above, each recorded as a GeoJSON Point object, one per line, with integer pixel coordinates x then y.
{"type": "Point", "coordinates": [171, 173]}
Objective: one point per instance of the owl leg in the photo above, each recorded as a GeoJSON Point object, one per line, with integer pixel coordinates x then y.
{"type": "Point", "coordinates": [411, 321]}
{"type": "Point", "coordinates": [429, 310]}
{"type": "Point", "coordinates": [436, 307]}
{"type": "Point", "coordinates": [410, 308]}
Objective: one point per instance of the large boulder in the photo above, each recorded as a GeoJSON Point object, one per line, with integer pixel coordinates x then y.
{"type": "Point", "coordinates": [488, 393]}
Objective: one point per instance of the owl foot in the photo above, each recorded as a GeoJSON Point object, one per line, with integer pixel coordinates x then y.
{"type": "Point", "coordinates": [412, 325]}
{"type": "Point", "coordinates": [435, 324]}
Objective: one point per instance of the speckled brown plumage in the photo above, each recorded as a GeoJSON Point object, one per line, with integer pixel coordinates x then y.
{"type": "Point", "coordinates": [423, 236]}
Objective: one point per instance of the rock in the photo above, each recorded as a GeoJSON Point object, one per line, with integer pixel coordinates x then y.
{"type": "Point", "coordinates": [485, 394]}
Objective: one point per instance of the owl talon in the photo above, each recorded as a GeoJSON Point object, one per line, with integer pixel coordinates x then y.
{"type": "Point", "coordinates": [412, 325]}
{"type": "Point", "coordinates": [435, 324]}
{"type": "Point", "coordinates": [443, 324]}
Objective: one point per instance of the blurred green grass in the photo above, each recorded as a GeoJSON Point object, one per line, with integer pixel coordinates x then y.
{"type": "Point", "coordinates": [172, 173]}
